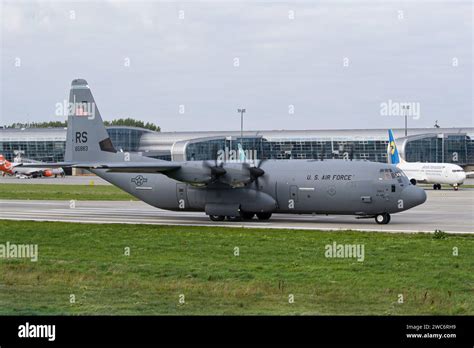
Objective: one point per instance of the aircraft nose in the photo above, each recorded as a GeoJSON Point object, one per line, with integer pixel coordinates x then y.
{"type": "Point", "coordinates": [413, 196]}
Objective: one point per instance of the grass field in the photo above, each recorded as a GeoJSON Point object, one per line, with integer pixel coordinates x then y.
{"type": "Point", "coordinates": [165, 262]}
{"type": "Point", "coordinates": [63, 192]}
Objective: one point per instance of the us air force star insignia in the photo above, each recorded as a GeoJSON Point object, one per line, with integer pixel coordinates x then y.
{"type": "Point", "coordinates": [139, 180]}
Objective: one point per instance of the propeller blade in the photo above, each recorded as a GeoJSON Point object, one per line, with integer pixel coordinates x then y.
{"type": "Point", "coordinates": [215, 169]}
{"type": "Point", "coordinates": [256, 172]}
{"type": "Point", "coordinates": [218, 171]}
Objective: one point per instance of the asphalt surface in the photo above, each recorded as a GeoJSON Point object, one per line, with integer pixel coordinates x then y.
{"type": "Point", "coordinates": [445, 210]}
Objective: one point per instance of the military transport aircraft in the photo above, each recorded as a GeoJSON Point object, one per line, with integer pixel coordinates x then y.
{"type": "Point", "coordinates": [236, 190]}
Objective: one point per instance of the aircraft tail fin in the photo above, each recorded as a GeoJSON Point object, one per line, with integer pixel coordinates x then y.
{"type": "Point", "coordinates": [5, 165]}
{"type": "Point", "coordinates": [392, 149]}
{"type": "Point", "coordinates": [87, 139]}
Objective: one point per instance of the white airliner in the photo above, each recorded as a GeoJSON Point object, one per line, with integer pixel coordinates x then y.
{"type": "Point", "coordinates": [427, 173]}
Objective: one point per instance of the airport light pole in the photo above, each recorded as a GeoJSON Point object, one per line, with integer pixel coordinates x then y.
{"type": "Point", "coordinates": [241, 111]}
{"type": "Point", "coordinates": [405, 109]}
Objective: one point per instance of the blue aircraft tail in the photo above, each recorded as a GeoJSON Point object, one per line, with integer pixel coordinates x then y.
{"type": "Point", "coordinates": [394, 156]}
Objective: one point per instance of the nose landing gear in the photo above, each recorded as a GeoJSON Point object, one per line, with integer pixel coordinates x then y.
{"type": "Point", "coordinates": [382, 219]}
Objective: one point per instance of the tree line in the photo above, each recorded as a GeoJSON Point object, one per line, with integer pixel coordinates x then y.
{"type": "Point", "coordinates": [129, 122]}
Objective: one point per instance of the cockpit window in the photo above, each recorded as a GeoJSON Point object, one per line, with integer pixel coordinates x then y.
{"type": "Point", "coordinates": [400, 174]}
{"type": "Point", "coordinates": [386, 174]}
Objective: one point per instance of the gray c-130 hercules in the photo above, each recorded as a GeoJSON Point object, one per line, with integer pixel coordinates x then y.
{"type": "Point", "coordinates": [236, 190]}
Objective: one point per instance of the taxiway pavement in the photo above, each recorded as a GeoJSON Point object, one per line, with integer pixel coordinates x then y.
{"type": "Point", "coordinates": [445, 210]}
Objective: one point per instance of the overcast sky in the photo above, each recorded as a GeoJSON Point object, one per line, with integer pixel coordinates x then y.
{"type": "Point", "coordinates": [292, 65]}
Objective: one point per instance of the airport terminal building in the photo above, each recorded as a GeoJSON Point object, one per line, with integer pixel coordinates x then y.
{"type": "Point", "coordinates": [452, 145]}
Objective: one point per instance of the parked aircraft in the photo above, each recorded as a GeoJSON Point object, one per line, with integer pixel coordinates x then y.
{"type": "Point", "coordinates": [236, 190]}
{"type": "Point", "coordinates": [16, 168]}
{"type": "Point", "coordinates": [423, 172]}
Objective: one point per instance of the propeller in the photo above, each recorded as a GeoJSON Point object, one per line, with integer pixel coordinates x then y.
{"type": "Point", "coordinates": [217, 169]}
{"type": "Point", "coordinates": [255, 172]}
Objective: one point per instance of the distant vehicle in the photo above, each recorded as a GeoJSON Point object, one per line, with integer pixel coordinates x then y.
{"type": "Point", "coordinates": [424, 172]}
{"type": "Point", "coordinates": [235, 190]}
{"type": "Point", "coordinates": [15, 168]}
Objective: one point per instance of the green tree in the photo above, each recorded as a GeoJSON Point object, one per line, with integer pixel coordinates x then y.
{"type": "Point", "coordinates": [130, 122]}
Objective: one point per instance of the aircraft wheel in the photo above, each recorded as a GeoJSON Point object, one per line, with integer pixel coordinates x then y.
{"type": "Point", "coordinates": [413, 181]}
{"type": "Point", "coordinates": [382, 219]}
{"type": "Point", "coordinates": [234, 218]}
{"type": "Point", "coordinates": [217, 217]}
{"type": "Point", "coordinates": [264, 216]}
{"type": "Point", "coordinates": [456, 187]}
{"type": "Point", "coordinates": [247, 215]}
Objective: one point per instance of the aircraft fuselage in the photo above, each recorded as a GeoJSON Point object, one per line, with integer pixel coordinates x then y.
{"type": "Point", "coordinates": [288, 186]}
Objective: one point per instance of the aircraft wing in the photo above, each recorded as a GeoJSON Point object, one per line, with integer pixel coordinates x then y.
{"type": "Point", "coordinates": [116, 167]}
{"type": "Point", "coordinates": [131, 167]}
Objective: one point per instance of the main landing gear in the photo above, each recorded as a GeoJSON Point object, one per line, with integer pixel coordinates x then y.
{"type": "Point", "coordinates": [382, 219]}
{"type": "Point", "coordinates": [437, 187]}
{"type": "Point", "coordinates": [243, 216]}
{"type": "Point", "coordinates": [217, 217]}
{"type": "Point", "coordinates": [246, 215]}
